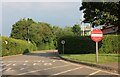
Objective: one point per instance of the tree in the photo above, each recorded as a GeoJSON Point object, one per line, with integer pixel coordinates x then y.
{"type": "Point", "coordinates": [101, 13]}
{"type": "Point", "coordinates": [20, 29]}
{"type": "Point", "coordinates": [76, 29]}
{"type": "Point", "coordinates": [67, 31]}
{"type": "Point", "coordinates": [41, 34]}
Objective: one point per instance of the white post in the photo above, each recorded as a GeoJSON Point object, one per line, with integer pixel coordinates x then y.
{"type": "Point", "coordinates": [96, 52]}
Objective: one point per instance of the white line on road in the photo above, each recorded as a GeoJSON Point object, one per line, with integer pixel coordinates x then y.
{"type": "Point", "coordinates": [67, 71]}
{"type": "Point", "coordinates": [8, 69]}
{"type": "Point", "coordinates": [95, 72]}
{"type": "Point", "coordinates": [8, 64]}
{"type": "Point", "coordinates": [101, 70]}
{"type": "Point", "coordinates": [47, 63]}
{"type": "Point", "coordinates": [14, 64]}
{"type": "Point", "coordinates": [22, 68]}
{"type": "Point", "coordinates": [41, 70]}
{"type": "Point", "coordinates": [24, 64]}
{"type": "Point", "coordinates": [34, 64]}
{"type": "Point", "coordinates": [53, 60]}
{"type": "Point", "coordinates": [26, 61]}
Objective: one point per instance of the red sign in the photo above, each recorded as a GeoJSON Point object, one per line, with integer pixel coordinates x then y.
{"type": "Point", "coordinates": [96, 35]}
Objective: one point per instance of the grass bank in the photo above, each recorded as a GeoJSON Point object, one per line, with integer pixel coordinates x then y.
{"type": "Point", "coordinates": [91, 58]}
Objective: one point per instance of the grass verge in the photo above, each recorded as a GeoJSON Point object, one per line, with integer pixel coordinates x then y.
{"type": "Point", "coordinates": [91, 58]}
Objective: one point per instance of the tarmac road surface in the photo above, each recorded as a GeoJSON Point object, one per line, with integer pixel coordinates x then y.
{"type": "Point", "coordinates": [47, 64]}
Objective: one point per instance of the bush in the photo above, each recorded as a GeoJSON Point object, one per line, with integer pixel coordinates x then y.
{"type": "Point", "coordinates": [84, 45]}
{"type": "Point", "coordinates": [12, 46]}
{"type": "Point", "coordinates": [110, 44]}
{"type": "Point", "coordinates": [76, 44]}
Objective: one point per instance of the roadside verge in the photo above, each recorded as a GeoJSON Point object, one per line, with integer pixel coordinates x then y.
{"type": "Point", "coordinates": [107, 68]}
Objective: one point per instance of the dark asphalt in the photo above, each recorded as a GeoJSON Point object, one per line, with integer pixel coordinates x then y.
{"type": "Point", "coordinates": [49, 65]}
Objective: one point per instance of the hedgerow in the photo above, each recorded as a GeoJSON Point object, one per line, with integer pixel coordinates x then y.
{"type": "Point", "coordinates": [12, 46]}
{"type": "Point", "coordinates": [84, 44]}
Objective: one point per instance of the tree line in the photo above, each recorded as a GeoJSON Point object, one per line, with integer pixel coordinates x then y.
{"type": "Point", "coordinates": [42, 34]}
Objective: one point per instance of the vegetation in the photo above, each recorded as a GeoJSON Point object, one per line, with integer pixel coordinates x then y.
{"type": "Point", "coordinates": [102, 13]}
{"type": "Point", "coordinates": [110, 44]}
{"type": "Point", "coordinates": [76, 45]}
{"type": "Point", "coordinates": [12, 46]}
{"type": "Point", "coordinates": [84, 45]}
{"type": "Point", "coordinates": [42, 34]}
{"type": "Point", "coordinates": [91, 58]}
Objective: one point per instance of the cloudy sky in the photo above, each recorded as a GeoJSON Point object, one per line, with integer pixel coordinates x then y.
{"type": "Point", "coordinates": [63, 13]}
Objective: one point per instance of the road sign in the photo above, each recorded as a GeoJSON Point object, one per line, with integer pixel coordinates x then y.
{"type": "Point", "coordinates": [96, 35]}
{"type": "Point", "coordinates": [63, 41]}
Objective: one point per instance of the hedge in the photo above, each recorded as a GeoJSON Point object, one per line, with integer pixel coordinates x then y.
{"type": "Point", "coordinates": [12, 46]}
{"type": "Point", "coordinates": [76, 44]}
{"type": "Point", "coordinates": [84, 44]}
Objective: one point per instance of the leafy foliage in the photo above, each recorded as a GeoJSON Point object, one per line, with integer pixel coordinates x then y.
{"type": "Point", "coordinates": [76, 45]}
{"type": "Point", "coordinates": [12, 46]}
{"type": "Point", "coordinates": [76, 29]}
{"type": "Point", "coordinates": [84, 45]}
{"type": "Point", "coordinates": [101, 13]}
{"type": "Point", "coordinates": [43, 35]}
{"type": "Point", "coordinates": [20, 29]}
{"type": "Point", "coordinates": [110, 44]}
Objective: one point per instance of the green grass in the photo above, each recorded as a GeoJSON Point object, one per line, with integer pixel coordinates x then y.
{"type": "Point", "coordinates": [91, 58]}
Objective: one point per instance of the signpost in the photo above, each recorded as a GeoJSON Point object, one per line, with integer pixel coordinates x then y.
{"type": "Point", "coordinates": [63, 42]}
{"type": "Point", "coordinates": [96, 35]}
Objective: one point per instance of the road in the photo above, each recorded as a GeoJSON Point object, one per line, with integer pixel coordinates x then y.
{"type": "Point", "coordinates": [49, 65]}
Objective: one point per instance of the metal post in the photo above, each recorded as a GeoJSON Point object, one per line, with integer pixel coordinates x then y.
{"type": "Point", "coordinates": [96, 52]}
{"type": "Point", "coordinates": [63, 48]}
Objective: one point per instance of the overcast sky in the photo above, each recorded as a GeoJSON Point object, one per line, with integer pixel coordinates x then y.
{"type": "Point", "coordinates": [55, 13]}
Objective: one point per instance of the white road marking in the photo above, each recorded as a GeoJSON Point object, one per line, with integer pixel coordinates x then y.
{"type": "Point", "coordinates": [26, 61]}
{"type": "Point", "coordinates": [22, 68]}
{"type": "Point", "coordinates": [8, 69]}
{"type": "Point", "coordinates": [34, 64]}
{"type": "Point", "coordinates": [53, 60]}
{"type": "Point", "coordinates": [14, 64]}
{"type": "Point", "coordinates": [89, 67]}
{"type": "Point", "coordinates": [24, 64]}
{"type": "Point", "coordinates": [67, 71]}
{"type": "Point", "coordinates": [8, 64]}
{"type": "Point", "coordinates": [43, 61]}
{"type": "Point", "coordinates": [95, 72]}
{"type": "Point", "coordinates": [47, 63]}
{"type": "Point", "coordinates": [41, 70]}
{"type": "Point", "coordinates": [101, 70]}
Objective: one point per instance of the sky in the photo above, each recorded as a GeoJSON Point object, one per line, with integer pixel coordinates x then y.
{"type": "Point", "coordinates": [64, 13]}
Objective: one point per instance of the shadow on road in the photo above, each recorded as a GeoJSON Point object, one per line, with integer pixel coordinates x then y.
{"type": "Point", "coordinates": [51, 55]}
